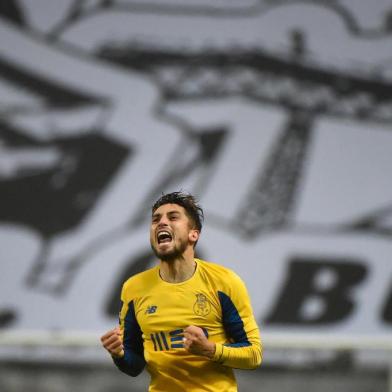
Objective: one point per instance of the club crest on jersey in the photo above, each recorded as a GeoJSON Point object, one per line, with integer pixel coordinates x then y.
{"type": "Point", "coordinates": [202, 306]}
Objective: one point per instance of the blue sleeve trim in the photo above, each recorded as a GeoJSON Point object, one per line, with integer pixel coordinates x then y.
{"type": "Point", "coordinates": [133, 361]}
{"type": "Point", "coordinates": [133, 339]}
{"type": "Point", "coordinates": [232, 322]}
{"type": "Point", "coordinates": [237, 344]}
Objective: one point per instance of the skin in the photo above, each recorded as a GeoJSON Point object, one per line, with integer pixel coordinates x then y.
{"type": "Point", "coordinates": [177, 265]}
{"type": "Point", "coordinates": [113, 343]}
{"type": "Point", "coordinates": [177, 262]}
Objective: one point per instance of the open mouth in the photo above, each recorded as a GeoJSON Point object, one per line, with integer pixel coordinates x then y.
{"type": "Point", "coordinates": [164, 237]}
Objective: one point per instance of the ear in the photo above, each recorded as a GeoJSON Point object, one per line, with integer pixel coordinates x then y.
{"type": "Point", "coordinates": [194, 235]}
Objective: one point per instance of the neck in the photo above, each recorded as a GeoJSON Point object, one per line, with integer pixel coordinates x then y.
{"type": "Point", "coordinates": [177, 270]}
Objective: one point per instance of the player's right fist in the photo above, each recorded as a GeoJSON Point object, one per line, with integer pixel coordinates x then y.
{"type": "Point", "coordinates": [113, 343]}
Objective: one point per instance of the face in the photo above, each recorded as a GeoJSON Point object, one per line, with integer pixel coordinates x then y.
{"type": "Point", "coordinates": [171, 232]}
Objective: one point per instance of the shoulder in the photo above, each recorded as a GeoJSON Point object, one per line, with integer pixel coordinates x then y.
{"type": "Point", "coordinates": [140, 282]}
{"type": "Point", "coordinates": [221, 275]}
{"type": "Point", "coordinates": [211, 267]}
{"type": "Point", "coordinates": [228, 286]}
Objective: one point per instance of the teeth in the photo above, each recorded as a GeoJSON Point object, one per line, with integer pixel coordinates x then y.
{"type": "Point", "coordinates": [163, 235]}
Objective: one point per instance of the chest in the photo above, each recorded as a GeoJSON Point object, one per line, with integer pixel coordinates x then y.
{"type": "Point", "coordinates": [176, 309]}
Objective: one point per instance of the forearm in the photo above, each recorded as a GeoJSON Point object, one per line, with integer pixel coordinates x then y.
{"type": "Point", "coordinates": [131, 363]}
{"type": "Point", "coordinates": [239, 357]}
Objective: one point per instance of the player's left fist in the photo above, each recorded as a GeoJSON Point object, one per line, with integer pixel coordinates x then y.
{"type": "Point", "coordinates": [196, 342]}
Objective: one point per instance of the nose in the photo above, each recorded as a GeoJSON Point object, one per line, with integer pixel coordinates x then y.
{"type": "Point", "coordinates": [162, 222]}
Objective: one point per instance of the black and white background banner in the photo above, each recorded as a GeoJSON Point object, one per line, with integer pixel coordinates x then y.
{"type": "Point", "coordinates": [276, 114]}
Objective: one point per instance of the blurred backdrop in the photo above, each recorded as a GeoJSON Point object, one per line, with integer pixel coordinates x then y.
{"type": "Point", "coordinates": [277, 115]}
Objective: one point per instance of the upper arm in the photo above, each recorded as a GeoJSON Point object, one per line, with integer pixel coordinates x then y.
{"type": "Point", "coordinates": [237, 314]}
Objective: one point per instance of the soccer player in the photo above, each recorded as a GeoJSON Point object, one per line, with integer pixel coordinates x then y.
{"type": "Point", "coordinates": [190, 321]}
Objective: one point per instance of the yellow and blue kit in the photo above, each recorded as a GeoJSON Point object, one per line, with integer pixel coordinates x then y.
{"type": "Point", "coordinates": [155, 313]}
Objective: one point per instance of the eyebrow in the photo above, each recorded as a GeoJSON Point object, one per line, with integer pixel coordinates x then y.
{"type": "Point", "coordinates": [172, 212]}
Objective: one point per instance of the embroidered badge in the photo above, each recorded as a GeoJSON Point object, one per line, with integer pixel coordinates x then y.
{"type": "Point", "coordinates": [202, 306]}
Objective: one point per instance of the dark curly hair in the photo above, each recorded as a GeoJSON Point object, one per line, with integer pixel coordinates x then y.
{"type": "Point", "coordinates": [185, 200]}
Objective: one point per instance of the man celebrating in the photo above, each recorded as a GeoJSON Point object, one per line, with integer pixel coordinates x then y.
{"type": "Point", "coordinates": [189, 320]}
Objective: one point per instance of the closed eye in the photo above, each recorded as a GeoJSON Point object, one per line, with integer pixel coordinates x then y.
{"type": "Point", "coordinates": [155, 219]}
{"type": "Point", "coordinates": [173, 215]}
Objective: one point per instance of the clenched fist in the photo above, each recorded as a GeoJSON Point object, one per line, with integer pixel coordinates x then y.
{"type": "Point", "coordinates": [196, 342]}
{"type": "Point", "coordinates": [112, 341]}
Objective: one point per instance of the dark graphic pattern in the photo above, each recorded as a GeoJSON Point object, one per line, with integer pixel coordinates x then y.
{"type": "Point", "coordinates": [59, 181]}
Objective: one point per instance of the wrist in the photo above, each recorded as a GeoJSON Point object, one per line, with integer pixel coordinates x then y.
{"type": "Point", "coordinates": [118, 355]}
{"type": "Point", "coordinates": [210, 353]}
{"type": "Point", "coordinates": [218, 353]}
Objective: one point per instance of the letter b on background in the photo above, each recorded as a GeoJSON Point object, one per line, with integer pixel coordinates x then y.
{"type": "Point", "coordinates": [317, 291]}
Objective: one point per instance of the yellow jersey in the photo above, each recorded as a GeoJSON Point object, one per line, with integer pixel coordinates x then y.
{"type": "Point", "coordinates": [154, 314]}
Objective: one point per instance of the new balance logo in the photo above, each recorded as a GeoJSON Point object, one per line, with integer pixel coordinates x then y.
{"type": "Point", "coordinates": [151, 309]}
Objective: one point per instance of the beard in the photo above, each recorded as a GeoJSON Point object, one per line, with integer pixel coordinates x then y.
{"type": "Point", "coordinates": [175, 253]}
